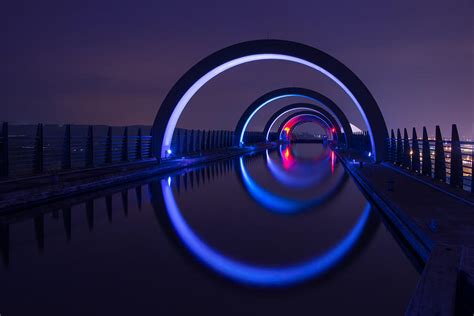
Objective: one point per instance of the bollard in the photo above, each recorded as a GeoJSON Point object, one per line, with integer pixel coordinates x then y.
{"type": "Point", "coordinates": [440, 163]}
{"type": "Point", "coordinates": [66, 159]}
{"type": "Point", "coordinates": [426, 167]}
{"type": "Point", "coordinates": [456, 177]}
{"type": "Point", "coordinates": [415, 157]}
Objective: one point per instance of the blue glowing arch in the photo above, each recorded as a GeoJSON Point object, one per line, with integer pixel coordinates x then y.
{"type": "Point", "coordinates": [291, 122]}
{"type": "Point", "coordinates": [307, 107]}
{"type": "Point", "coordinates": [271, 276]}
{"type": "Point", "coordinates": [211, 66]}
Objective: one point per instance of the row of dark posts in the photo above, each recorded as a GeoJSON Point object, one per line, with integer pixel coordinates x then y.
{"type": "Point", "coordinates": [408, 157]}
{"type": "Point", "coordinates": [66, 157]}
{"type": "Point", "coordinates": [193, 141]}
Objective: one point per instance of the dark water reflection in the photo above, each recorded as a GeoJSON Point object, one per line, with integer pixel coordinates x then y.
{"type": "Point", "coordinates": [282, 232]}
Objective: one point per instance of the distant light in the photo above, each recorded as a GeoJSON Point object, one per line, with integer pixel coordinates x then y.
{"type": "Point", "coordinates": [333, 130]}
{"type": "Point", "coordinates": [169, 151]}
{"type": "Point", "coordinates": [370, 154]}
{"type": "Point", "coordinates": [169, 181]}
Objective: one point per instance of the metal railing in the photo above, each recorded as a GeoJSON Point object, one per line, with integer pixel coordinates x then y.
{"type": "Point", "coordinates": [26, 155]}
{"type": "Point", "coordinates": [450, 161]}
{"type": "Point", "coordinates": [28, 150]}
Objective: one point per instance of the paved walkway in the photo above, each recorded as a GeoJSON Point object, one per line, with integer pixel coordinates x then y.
{"type": "Point", "coordinates": [439, 227]}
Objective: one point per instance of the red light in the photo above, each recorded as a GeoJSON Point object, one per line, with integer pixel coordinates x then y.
{"type": "Point", "coordinates": [333, 130]}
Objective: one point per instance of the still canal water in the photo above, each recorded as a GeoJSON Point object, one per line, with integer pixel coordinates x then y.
{"type": "Point", "coordinates": [283, 232]}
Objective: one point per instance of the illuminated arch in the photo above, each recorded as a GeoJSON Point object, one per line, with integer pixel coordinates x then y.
{"type": "Point", "coordinates": [289, 92]}
{"type": "Point", "coordinates": [290, 123]}
{"type": "Point", "coordinates": [302, 107]}
{"type": "Point", "coordinates": [222, 60]}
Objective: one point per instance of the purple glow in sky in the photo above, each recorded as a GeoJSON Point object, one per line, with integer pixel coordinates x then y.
{"type": "Point", "coordinates": [113, 62]}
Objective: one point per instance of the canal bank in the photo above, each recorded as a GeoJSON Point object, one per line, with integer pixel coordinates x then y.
{"type": "Point", "coordinates": [17, 194]}
{"type": "Point", "coordinates": [438, 226]}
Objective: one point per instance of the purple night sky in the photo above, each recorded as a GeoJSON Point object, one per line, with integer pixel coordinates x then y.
{"type": "Point", "coordinates": [112, 62]}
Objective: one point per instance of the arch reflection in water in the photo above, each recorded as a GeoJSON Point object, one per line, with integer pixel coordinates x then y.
{"type": "Point", "coordinates": [258, 275]}
{"type": "Point", "coordinates": [284, 205]}
{"type": "Point", "coordinates": [301, 173]}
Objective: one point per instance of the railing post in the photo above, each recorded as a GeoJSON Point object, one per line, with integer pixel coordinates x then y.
{"type": "Point", "coordinates": [5, 161]}
{"type": "Point", "coordinates": [426, 162]}
{"type": "Point", "coordinates": [415, 157]}
{"type": "Point", "coordinates": [138, 154]}
{"type": "Point", "coordinates": [150, 148]}
{"type": "Point", "coordinates": [393, 148]}
{"type": "Point", "coordinates": [208, 140]}
{"type": "Point", "coordinates": [177, 146]}
{"type": "Point", "coordinates": [456, 177]}
{"type": "Point", "coordinates": [203, 140]}
{"type": "Point", "coordinates": [125, 144]}
{"type": "Point", "coordinates": [185, 142]}
{"type": "Point", "coordinates": [472, 171]}
{"type": "Point", "coordinates": [39, 149]}
{"type": "Point", "coordinates": [191, 143]}
{"type": "Point", "coordinates": [90, 147]}
{"type": "Point", "coordinates": [440, 163]}
{"type": "Point", "coordinates": [399, 148]}
{"type": "Point", "coordinates": [108, 146]}
{"type": "Point", "coordinates": [199, 140]}
{"type": "Point", "coordinates": [66, 161]}
{"type": "Point", "coordinates": [406, 150]}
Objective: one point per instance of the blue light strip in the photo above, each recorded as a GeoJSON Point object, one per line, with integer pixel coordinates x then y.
{"type": "Point", "coordinates": [277, 203]}
{"type": "Point", "coordinates": [253, 274]}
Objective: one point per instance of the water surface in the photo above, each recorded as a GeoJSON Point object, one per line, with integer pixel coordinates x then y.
{"type": "Point", "coordinates": [280, 232]}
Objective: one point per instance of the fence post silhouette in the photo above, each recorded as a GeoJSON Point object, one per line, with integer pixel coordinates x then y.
{"type": "Point", "coordinates": [456, 177]}
{"type": "Point", "coordinates": [125, 145]}
{"type": "Point", "coordinates": [5, 168]}
{"type": "Point", "coordinates": [108, 146]}
{"type": "Point", "coordinates": [440, 163]}
{"type": "Point", "coordinates": [138, 152]}
{"type": "Point", "coordinates": [66, 159]}
{"type": "Point", "coordinates": [399, 148]}
{"type": "Point", "coordinates": [393, 148]}
{"type": "Point", "coordinates": [406, 150]}
{"type": "Point", "coordinates": [39, 150]}
{"type": "Point", "coordinates": [426, 168]}
{"type": "Point", "coordinates": [415, 157]}
{"type": "Point", "coordinates": [90, 147]}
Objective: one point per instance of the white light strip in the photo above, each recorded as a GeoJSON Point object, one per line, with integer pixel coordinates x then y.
{"type": "Point", "coordinates": [238, 61]}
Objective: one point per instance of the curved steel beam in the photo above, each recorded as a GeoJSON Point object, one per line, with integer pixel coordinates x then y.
{"type": "Point", "coordinates": [292, 92]}
{"type": "Point", "coordinates": [220, 61]}
{"type": "Point", "coordinates": [304, 107]}
{"type": "Point", "coordinates": [302, 117]}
